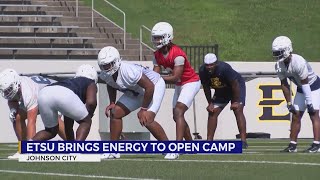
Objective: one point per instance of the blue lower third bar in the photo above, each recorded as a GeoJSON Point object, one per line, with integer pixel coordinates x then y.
{"type": "Point", "coordinates": [132, 147]}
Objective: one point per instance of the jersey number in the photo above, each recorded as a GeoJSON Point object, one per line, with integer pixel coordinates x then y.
{"type": "Point", "coordinates": [40, 80]}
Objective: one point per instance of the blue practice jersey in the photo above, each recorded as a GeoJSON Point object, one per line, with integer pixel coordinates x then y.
{"type": "Point", "coordinates": [78, 85]}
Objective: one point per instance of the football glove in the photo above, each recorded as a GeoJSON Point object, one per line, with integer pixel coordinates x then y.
{"type": "Point", "coordinates": [12, 115]}
{"type": "Point", "coordinates": [310, 108]}
{"type": "Point", "coordinates": [291, 108]}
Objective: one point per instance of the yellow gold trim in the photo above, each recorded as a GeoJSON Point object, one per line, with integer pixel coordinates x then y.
{"type": "Point", "coordinates": [19, 146]}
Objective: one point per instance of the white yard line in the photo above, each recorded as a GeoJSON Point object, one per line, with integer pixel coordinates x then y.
{"type": "Point", "coordinates": [225, 161]}
{"type": "Point", "coordinates": [8, 149]}
{"type": "Point", "coordinates": [69, 175]}
{"type": "Point", "coordinates": [276, 154]}
{"type": "Point", "coordinates": [268, 146]}
{"type": "Point", "coordinates": [280, 142]}
{"type": "Point", "coordinates": [275, 149]}
{"type": "Point", "coordinates": [12, 145]}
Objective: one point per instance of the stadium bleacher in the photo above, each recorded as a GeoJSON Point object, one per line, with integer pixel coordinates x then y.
{"type": "Point", "coordinates": [46, 29]}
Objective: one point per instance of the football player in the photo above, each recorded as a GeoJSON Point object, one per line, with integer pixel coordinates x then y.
{"type": "Point", "coordinates": [75, 98]}
{"type": "Point", "coordinates": [295, 68]}
{"type": "Point", "coordinates": [22, 95]}
{"type": "Point", "coordinates": [142, 89]}
{"type": "Point", "coordinates": [229, 86]}
{"type": "Point", "coordinates": [187, 83]}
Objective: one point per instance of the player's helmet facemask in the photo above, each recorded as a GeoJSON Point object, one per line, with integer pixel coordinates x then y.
{"type": "Point", "coordinates": [109, 60]}
{"type": "Point", "coordinates": [9, 83]}
{"type": "Point", "coordinates": [281, 48]}
{"type": "Point", "coordinates": [161, 34]}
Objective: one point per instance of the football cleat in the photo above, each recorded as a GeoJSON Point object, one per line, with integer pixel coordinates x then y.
{"type": "Point", "coordinates": [244, 145]}
{"type": "Point", "coordinates": [110, 156]}
{"type": "Point", "coordinates": [14, 156]}
{"type": "Point", "coordinates": [172, 156]}
{"type": "Point", "coordinates": [291, 148]}
{"type": "Point", "coordinates": [313, 148]}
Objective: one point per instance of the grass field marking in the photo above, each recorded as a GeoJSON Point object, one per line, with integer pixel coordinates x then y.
{"type": "Point", "coordinates": [68, 175]}
{"type": "Point", "coordinates": [12, 145]}
{"type": "Point", "coordinates": [228, 161]}
{"type": "Point", "coordinates": [278, 154]}
{"type": "Point", "coordinates": [8, 149]}
{"type": "Point", "coordinates": [268, 153]}
{"type": "Point", "coordinates": [261, 149]}
{"type": "Point", "coordinates": [284, 143]}
{"type": "Point", "coordinates": [265, 146]}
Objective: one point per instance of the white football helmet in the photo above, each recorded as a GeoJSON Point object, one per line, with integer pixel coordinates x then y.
{"type": "Point", "coordinates": [9, 83]}
{"type": "Point", "coordinates": [87, 71]}
{"type": "Point", "coordinates": [109, 60]}
{"type": "Point", "coordinates": [281, 48]}
{"type": "Point", "coordinates": [161, 34]}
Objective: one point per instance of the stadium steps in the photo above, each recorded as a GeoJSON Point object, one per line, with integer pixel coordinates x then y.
{"type": "Point", "coordinates": [59, 53]}
{"type": "Point", "coordinates": [41, 7]}
{"type": "Point", "coordinates": [57, 12]}
{"type": "Point", "coordinates": [41, 29]}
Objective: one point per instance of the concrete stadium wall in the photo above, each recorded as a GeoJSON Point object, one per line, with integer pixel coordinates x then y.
{"type": "Point", "coordinates": [226, 129]}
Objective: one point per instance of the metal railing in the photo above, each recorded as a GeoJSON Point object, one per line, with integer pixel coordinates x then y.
{"type": "Point", "coordinates": [141, 40]}
{"type": "Point", "coordinates": [115, 7]}
{"type": "Point", "coordinates": [77, 8]}
{"type": "Point", "coordinates": [196, 54]}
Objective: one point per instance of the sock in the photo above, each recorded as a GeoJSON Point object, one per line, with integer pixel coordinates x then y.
{"type": "Point", "coordinates": [293, 142]}
{"type": "Point", "coordinates": [316, 142]}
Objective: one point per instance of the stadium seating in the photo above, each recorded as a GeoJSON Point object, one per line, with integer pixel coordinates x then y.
{"type": "Point", "coordinates": [49, 29]}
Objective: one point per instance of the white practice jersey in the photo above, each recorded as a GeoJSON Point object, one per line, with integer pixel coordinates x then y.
{"type": "Point", "coordinates": [128, 77]}
{"type": "Point", "coordinates": [30, 87]}
{"type": "Point", "coordinates": [297, 70]}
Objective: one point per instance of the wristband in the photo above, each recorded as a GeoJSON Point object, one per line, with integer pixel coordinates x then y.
{"type": "Point", "coordinates": [143, 109]}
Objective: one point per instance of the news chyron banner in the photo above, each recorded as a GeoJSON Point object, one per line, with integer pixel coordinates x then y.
{"type": "Point", "coordinates": [90, 151]}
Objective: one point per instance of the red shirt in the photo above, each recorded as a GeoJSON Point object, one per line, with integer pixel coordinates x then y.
{"type": "Point", "coordinates": [188, 75]}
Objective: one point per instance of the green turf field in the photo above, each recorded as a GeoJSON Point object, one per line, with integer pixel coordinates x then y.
{"type": "Point", "coordinates": [261, 161]}
{"type": "Point", "coordinates": [244, 29]}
